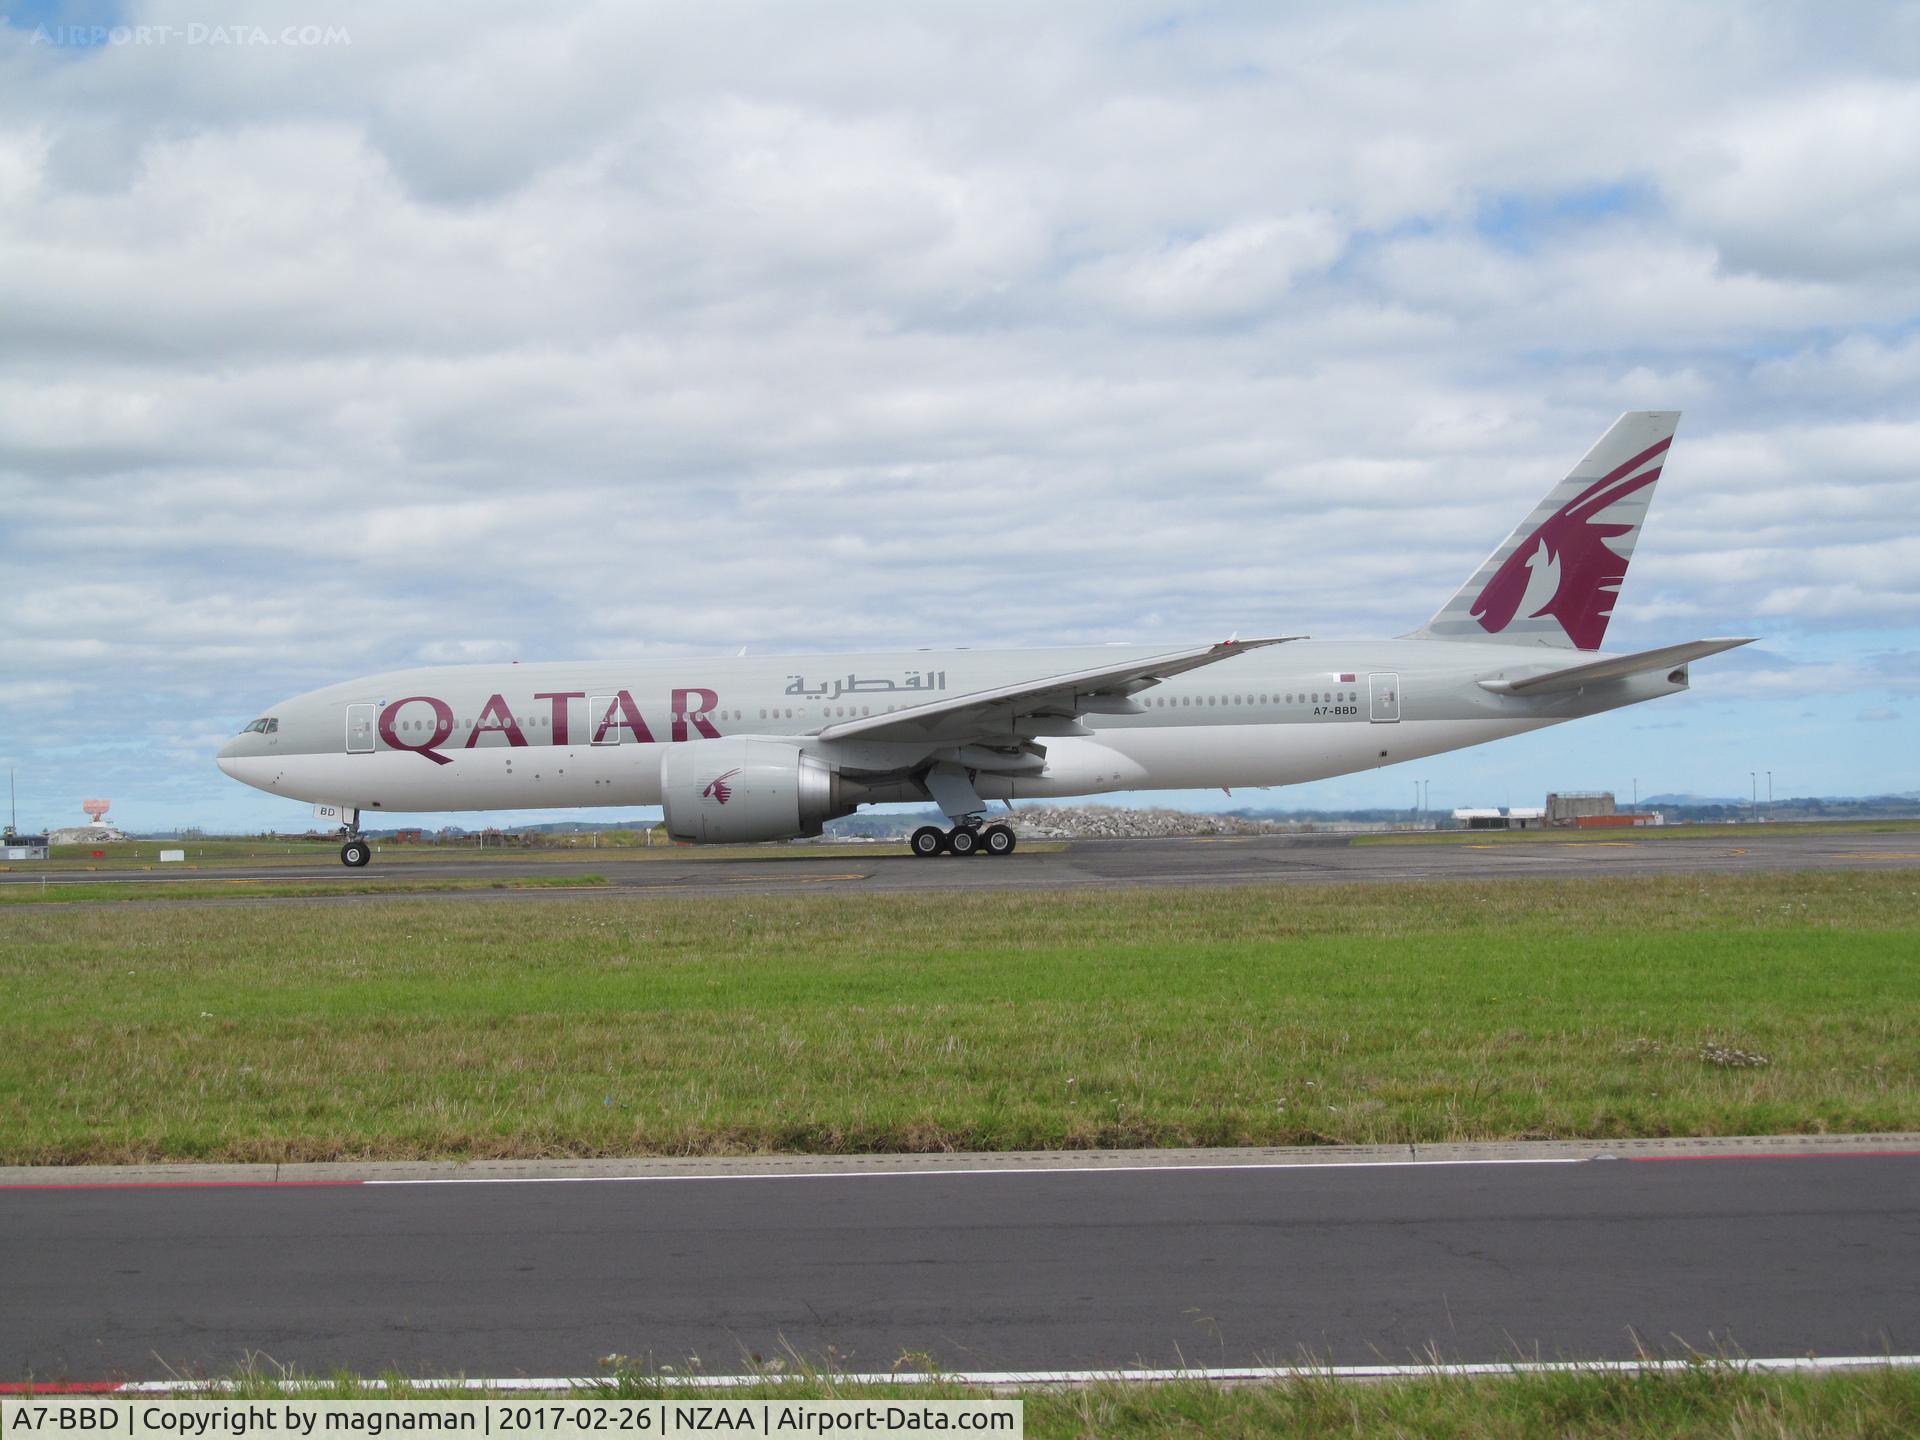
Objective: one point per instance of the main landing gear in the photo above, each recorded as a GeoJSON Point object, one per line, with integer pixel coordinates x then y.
{"type": "Point", "coordinates": [968, 837]}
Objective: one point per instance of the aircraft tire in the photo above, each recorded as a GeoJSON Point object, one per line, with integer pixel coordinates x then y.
{"type": "Point", "coordinates": [996, 840]}
{"type": "Point", "coordinates": [963, 840]}
{"type": "Point", "coordinates": [927, 842]}
{"type": "Point", "coordinates": [355, 854]}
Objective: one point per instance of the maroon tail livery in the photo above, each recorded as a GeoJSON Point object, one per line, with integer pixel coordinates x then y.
{"type": "Point", "coordinates": [1573, 548]}
{"type": "Point", "coordinates": [1555, 579]}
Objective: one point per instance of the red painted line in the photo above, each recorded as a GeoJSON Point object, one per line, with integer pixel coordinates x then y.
{"type": "Point", "coordinates": [1780, 1155]}
{"type": "Point", "coordinates": [186, 1185]}
{"type": "Point", "coordinates": [60, 1387]}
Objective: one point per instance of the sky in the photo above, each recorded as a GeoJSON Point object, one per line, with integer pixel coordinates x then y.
{"type": "Point", "coordinates": [345, 338]}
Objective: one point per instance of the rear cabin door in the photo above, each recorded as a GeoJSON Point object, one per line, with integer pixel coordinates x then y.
{"type": "Point", "coordinates": [1383, 697]}
{"type": "Point", "coordinates": [360, 729]}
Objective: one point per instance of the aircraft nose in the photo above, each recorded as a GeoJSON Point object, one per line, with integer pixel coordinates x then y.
{"type": "Point", "coordinates": [227, 754]}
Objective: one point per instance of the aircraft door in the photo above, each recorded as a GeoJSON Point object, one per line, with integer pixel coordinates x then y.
{"type": "Point", "coordinates": [603, 720]}
{"type": "Point", "coordinates": [360, 729]}
{"type": "Point", "coordinates": [1383, 697]}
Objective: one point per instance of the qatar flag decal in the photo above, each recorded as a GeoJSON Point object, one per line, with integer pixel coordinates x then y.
{"type": "Point", "coordinates": [1346, 679]}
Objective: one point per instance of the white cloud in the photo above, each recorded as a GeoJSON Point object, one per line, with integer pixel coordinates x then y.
{"type": "Point", "coordinates": [627, 331]}
{"type": "Point", "coordinates": [1237, 272]}
{"type": "Point", "coordinates": [1825, 182]}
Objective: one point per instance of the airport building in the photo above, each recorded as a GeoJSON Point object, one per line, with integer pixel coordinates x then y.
{"type": "Point", "coordinates": [1564, 807]}
{"type": "Point", "coordinates": [1513, 817]}
{"type": "Point", "coordinates": [1593, 810]}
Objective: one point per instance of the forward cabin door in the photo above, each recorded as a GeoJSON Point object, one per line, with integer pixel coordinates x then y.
{"type": "Point", "coordinates": [360, 729]}
{"type": "Point", "coordinates": [1383, 697]}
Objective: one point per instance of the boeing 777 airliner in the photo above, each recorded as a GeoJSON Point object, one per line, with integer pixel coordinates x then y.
{"type": "Point", "coordinates": [747, 749]}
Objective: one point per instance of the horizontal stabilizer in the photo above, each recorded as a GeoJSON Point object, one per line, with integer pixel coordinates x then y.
{"type": "Point", "coordinates": [1617, 667]}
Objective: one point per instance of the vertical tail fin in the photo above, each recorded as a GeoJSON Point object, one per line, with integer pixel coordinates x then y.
{"type": "Point", "coordinates": [1554, 580]}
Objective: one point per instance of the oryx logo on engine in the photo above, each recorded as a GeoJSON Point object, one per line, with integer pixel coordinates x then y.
{"type": "Point", "coordinates": [718, 790]}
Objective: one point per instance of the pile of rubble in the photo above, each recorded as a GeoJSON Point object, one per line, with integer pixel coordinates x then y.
{"type": "Point", "coordinates": [1095, 822]}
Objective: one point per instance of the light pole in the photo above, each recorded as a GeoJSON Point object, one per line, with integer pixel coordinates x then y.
{"type": "Point", "coordinates": [1636, 794]}
{"type": "Point", "coordinates": [1754, 809]}
{"type": "Point", "coordinates": [1769, 792]}
{"type": "Point", "coordinates": [1426, 796]}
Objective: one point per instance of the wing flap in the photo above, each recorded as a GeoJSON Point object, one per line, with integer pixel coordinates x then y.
{"type": "Point", "coordinates": [1616, 667]}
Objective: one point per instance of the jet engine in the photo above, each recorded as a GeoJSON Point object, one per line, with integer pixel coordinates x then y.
{"type": "Point", "coordinates": [737, 790]}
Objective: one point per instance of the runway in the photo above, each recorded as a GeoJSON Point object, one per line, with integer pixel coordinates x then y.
{"type": "Point", "coordinates": [975, 1270]}
{"type": "Point", "coordinates": [1289, 859]}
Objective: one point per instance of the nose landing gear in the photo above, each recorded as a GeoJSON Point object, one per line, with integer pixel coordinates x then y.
{"type": "Point", "coordinates": [356, 852]}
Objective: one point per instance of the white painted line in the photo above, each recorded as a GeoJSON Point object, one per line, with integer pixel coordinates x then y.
{"type": "Point", "coordinates": [958, 1171]}
{"type": "Point", "coordinates": [1241, 1375]}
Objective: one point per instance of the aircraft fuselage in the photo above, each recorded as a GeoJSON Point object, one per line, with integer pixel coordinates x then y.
{"type": "Point", "coordinates": [551, 735]}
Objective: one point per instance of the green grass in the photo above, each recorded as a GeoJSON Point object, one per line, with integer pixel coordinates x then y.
{"type": "Point", "coordinates": [1732, 834]}
{"type": "Point", "coordinates": [839, 1023]}
{"type": "Point", "coordinates": [626, 845]}
{"type": "Point", "coordinates": [82, 892]}
{"type": "Point", "coordinates": [1709, 1400]}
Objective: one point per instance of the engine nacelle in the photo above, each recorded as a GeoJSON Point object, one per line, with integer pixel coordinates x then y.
{"type": "Point", "coordinates": [741, 789]}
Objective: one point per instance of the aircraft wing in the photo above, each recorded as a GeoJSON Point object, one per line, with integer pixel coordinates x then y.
{"type": "Point", "coordinates": [1617, 667]}
{"type": "Point", "coordinates": [1049, 705]}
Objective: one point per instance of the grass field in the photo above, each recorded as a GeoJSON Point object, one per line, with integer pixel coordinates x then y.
{"type": "Point", "coordinates": [1726, 833]}
{"type": "Point", "coordinates": [1709, 1400]}
{"type": "Point", "coordinates": [264, 887]}
{"type": "Point", "coordinates": [596, 1025]}
{"type": "Point", "coordinates": [266, 853]}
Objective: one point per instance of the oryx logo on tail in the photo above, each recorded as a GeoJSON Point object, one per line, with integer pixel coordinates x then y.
{"type": "Point", "coordinates": [1556, 577]}
{"type": "Point", "coordinates": [1568, 567]}
{"type": "Point", "coordinates": [718, 790]}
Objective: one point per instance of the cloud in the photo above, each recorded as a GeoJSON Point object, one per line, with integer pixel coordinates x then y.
{"type": "Point", "coordinates": [1237, 272]}
{"type": "Point", "coordinates": [1823, 183]}
{"type": "Point", "coordinates": [615, 332]}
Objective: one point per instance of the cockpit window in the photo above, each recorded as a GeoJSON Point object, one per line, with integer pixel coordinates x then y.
{"type": "Point", "coordinates": [266, 726]}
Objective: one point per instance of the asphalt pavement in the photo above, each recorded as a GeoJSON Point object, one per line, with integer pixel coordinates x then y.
{"type": "Point", "coordinates": [864, 868]}
{"type": "Point", "coordinates": [982, 1269]}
